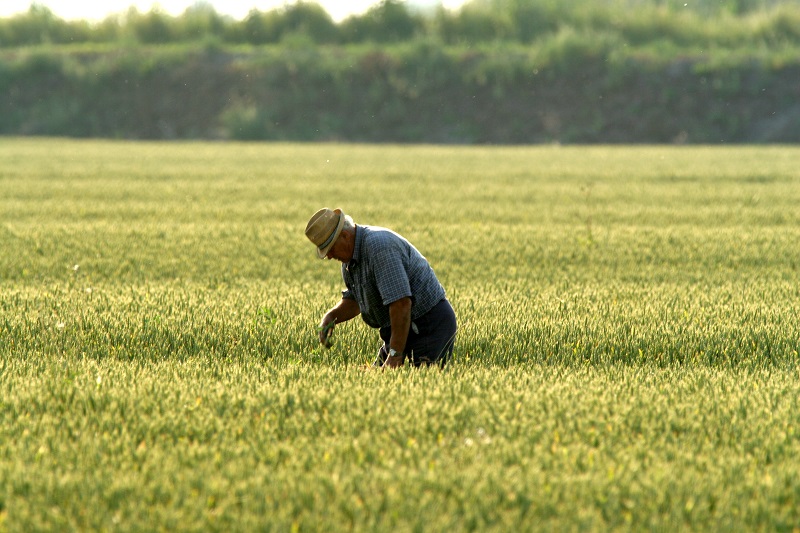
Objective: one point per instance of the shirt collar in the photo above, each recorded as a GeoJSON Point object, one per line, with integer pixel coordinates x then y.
{"type": "Point", "coordinates": [357, 248]}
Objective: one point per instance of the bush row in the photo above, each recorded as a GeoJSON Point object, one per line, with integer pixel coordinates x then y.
{"type": "Point", "coordinates": [576, 87]}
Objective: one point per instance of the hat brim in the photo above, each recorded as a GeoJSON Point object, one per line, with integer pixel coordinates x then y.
{"type": "Point", "coordinates": [323, 252]}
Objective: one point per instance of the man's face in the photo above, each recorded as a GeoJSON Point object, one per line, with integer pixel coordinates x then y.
{"type": "Point", "coordinates": [341, 249]}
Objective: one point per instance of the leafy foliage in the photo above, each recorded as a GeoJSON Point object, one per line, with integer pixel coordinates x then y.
{"type": "Point", "coordinates": [574, 88]}
{"type": "Point", "coordinates": [479, 21]}
{"type": "Point", "coordinates": [494, 71]}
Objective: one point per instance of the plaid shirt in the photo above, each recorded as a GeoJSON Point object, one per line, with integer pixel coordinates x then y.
{"type": "Point", "coordinates": [385, 268]}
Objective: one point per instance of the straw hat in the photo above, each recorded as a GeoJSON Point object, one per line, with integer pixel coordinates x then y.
{"type": "Point", "coordinates": [324, 228]}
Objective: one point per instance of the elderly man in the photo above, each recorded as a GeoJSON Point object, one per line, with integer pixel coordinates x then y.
{"type": "Point", "coordinates": [391, 285]}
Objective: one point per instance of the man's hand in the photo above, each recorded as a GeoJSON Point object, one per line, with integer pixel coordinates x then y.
{"type": "Point", "coordinates": [341, 312]}
{"type": "Point", "coordinates": [394, 362]}
{"type": "Point", "coordinates": [325, 329]}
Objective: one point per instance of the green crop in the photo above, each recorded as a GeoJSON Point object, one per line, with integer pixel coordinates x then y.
{"type": "Point", "coordinates": [626, 356]}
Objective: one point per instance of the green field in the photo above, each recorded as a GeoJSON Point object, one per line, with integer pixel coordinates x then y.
{"type": "Point", "coordinates": [627, 356]}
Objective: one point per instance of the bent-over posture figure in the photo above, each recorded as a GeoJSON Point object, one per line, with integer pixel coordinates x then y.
{"type": "Point", "coordinates": [391, 285]}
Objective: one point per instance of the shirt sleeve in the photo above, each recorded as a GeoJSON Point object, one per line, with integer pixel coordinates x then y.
{"type": "Point", "coordinates": [390, 274]}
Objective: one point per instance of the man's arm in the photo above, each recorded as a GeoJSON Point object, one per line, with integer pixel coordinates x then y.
{"type": "Point", "coordinates": [400, 316]}
{"type": "Point", "coordinates": [341, 312]}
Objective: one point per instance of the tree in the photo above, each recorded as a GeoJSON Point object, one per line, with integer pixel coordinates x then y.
{"type": "Point", "coordinates": [39, 25]}
{"type": "Point", "coordinates": [473, 23]}
{"type": "Point", "coordinates": [154, 27]}
{"type": "Point", "coordinates": [389, 21]}
{"type": "Point", "coordinates": [261, 28]}
{"type": "Point", "coordinates": [310, 19]}
{"type": "Point", "coordinates": [201, 20]}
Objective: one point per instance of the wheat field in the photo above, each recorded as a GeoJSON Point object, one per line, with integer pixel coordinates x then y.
{"type": "Point", "coordinates": [627, 354]}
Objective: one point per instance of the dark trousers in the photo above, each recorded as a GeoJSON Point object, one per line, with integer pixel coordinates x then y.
{"type": "Point", "coordinates": [430, 340]}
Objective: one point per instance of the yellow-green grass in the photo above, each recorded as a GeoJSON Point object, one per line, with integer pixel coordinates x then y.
{"type": "Point", "coordinates": [626, 359]}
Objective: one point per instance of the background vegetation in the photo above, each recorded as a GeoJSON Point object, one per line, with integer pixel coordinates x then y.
{"type": "Point", "coordinates": [734, 22]}
{"type": "Point", "coordinates": [627, 355]}
{"type": "Point", "coordinates": [494, 71]}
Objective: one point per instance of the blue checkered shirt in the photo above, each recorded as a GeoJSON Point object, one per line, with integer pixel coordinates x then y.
{"type": "Point", "coordinates": [385, 268]}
